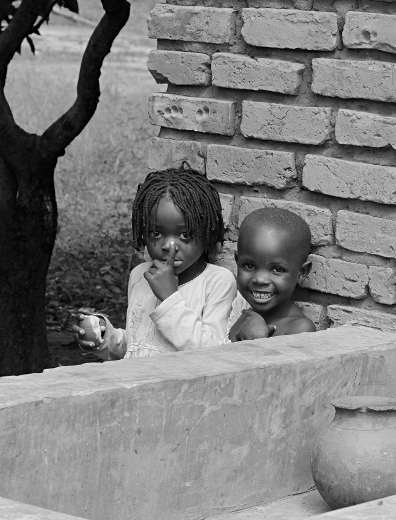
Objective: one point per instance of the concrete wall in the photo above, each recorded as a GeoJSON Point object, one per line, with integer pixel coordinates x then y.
{"type": "Point", "coordinates": [186, 435]}
{"type": "Point", "coordinates": [291, 103]}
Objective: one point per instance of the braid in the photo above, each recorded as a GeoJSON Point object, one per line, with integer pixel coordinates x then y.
{"type": "Point", "coordinates": [192, 193]}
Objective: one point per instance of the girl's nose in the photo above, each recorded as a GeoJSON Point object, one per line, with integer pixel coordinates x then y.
{"type": "Point", "coordinates": [167, 243]}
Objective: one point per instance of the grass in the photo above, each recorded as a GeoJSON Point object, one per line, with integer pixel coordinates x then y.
{"type": "Point", "coordinates": [96, 180]}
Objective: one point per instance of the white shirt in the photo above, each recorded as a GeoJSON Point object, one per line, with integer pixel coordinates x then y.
{"type": "Point", "coordinates": [195, 316]}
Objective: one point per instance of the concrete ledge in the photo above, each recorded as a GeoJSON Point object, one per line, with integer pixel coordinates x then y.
{"type": "Point", "coordinates": [11, 510]}
{"type": "Point", "coordinates": [184, 435]}
{"type": "Point", "coordinates": [384, 509]}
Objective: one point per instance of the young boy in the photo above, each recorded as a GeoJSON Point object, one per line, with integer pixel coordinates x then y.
{"type": "Point", "coordinates": [273, 246]}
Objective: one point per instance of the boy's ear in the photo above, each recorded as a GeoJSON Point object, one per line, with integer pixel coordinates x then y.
{"type": "Point", "coordinates": [305, 269]}
{"type": "Point", "coordinates": [236, 256]}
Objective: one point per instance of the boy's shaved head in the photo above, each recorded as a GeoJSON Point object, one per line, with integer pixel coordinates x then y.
{"type": "Point", "coordinates": [283, 220]}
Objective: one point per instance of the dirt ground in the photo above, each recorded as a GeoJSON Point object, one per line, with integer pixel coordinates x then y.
{"type": "Point", "coordinates": [66, 42]}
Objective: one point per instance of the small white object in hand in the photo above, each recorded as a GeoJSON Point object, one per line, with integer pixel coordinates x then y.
{"type": "Point", "coordinates": [91, 326]}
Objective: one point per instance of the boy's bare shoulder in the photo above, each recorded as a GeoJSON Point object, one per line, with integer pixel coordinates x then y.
{"type": "Point", "coordinates": [299, 324]}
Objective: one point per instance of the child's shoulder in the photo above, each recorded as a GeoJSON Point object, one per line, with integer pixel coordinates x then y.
{"type": "Point", "coordinates": [295, 324]}
{"type": "Point", "coordinates": [216, 273]}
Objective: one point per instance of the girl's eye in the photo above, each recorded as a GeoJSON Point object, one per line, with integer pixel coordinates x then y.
{"type": "Point", "coordinates": [184, 235]}
{"type": "Point", "coordinates": [248, 266]}
{"type": "Point", "coordinates": [155, 234]}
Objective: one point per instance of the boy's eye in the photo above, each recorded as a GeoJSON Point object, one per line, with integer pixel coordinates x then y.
{"type": "Point", "coordinates": [248, 266]}
{"type": "Point", "coordinates": [278, 270]}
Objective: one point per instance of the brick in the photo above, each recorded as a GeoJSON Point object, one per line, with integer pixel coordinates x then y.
{"type": "Point", "coordinates": [350, 180]}
{"type": "Point", "coordinates": [366, 234]}
{"type": "Point", "coordinates": [316, 313]}
{"type": "Point", "coordinates": [370, 31]}
{"type": "Point", "coordinates": [180, 68]}
{"type": "Point", "coordinates": [334, 276]}
{"type": "Point", "coordinates": [270, 121]}
{"type": "Point", "coordinates": [171, 153]}
{"type": "Point", "coordinates": [354, 79]}
{"type": "Point", "coordinates": [213, 116]}
{"type": "Point", "coordinates": [341, 315]}
{"type": "Point", "coordinates": [251, 166]}
{"type": "Point", "coordinates": [319, 220]}
{"type": "Point", "coordinates": [242, 72]}
{"type": "Point", "coordinates": [290, 29]}
{"type": "Point", "coordinates": [226, 257]}
{"type": "Point", "coordinates": [227, 202]}
{"type": "Point", "coordinates": [365, 129]}
{"type": "Point", "coordinates": [192, 24]}
{"type": "Point", "coordinates": [382, 282]}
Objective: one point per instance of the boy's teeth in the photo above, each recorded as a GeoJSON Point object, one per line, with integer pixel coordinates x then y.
{"type": "Point", "coordinates": [262, 296]}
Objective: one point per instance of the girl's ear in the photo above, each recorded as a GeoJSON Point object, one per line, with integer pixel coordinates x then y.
{"type": "Point", "coordinates": [305, 269]}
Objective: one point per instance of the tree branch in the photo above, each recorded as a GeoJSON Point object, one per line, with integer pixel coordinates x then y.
{"type": "Point", "coordinates": [61, 133]}
{"type": "Point", "coordinates": [10, 133]}
{"type": "Point", "coordinates": [13, 35]}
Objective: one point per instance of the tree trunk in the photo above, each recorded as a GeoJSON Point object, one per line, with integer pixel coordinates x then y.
{"type": "Point", "coordinates": [28, 224]}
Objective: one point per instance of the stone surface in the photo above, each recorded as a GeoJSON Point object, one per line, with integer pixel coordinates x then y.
{"type": "Point", "coordinates": [370, 31]}
{"type": "Point", "coordinates": [227, 202]}
{"type": "Point", "coordinates": [296, 507]}
{"type": "Point", "coordinates": [293, 124]}
{"type": "Point", "coordinates": [193, 24]}
{"type": "Point", "coordinates": [180, 68]}
{"type": "Point", "coordinates": [251, 166]}
{"type": "Point", "coordinates": [243, 72]}
{"type": "Point", "coordinates": [11, 510]}
{"type": "Point", "coordinates": [334, 276]}
{"type": "Point", "coordinates": [316, 313]}
{"type": "Point", "coordinates": [171, 153]}
{"type": "Point", "coordinates": [383, 509]}
{"type": "Point", "coordinates": [213, 116]}
{"type": "Point", "coordinates": [226, 257]}
{"type": "Point", "coordinates": [364, 79]}
{"type": "Point", "coordinates": [350, 179]}
{"type": "Point", "coordinates": [290, 29]}
{"type": "Point", "coordinates": [319, 220]}
{"type": "Point", "coordinates": [365, 129]}
{"type": "Point", "coordinates": [364, 233]}
{"type": "Point", "coordinates": [342, 315]}
{"type": "Point", "coordinates": [173, 428]}
{"type": "Point", "coordinates": [382, 282]}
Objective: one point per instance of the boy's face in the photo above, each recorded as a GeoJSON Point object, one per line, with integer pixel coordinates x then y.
{"type": "Point", "coordinates": [170, 226]}
{"type": "Point", "coordinates": [268, 268]}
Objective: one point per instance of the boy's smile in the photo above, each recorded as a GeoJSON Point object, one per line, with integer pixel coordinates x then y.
{"type": "Point", "coordinates": [170, 226]}
{"type": "Point", "coordinates": [268, 269]}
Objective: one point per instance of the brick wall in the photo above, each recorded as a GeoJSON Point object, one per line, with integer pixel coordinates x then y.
{"type": "Point", "coordinates": [291, 103]}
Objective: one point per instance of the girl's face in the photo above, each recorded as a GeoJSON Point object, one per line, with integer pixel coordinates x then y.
{"type": "Point", "coordinates": [170, 226]}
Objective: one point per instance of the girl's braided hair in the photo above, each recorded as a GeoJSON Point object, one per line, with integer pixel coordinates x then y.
{"type": "Point", "coordinates": [192, 193]}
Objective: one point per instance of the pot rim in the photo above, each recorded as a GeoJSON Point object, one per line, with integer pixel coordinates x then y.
{"type": "Point", "coordinates": [365, 402]}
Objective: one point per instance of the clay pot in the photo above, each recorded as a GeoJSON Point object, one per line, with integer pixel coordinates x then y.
{"type": "Point", "coordinates": [354, 459]}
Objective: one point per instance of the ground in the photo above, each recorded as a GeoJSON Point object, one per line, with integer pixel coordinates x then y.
{"type": "Point", "coordinates": [97, 179]}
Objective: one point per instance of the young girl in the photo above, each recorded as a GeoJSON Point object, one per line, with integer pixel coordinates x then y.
{"type": "Point", "coordinates": [178, 301]}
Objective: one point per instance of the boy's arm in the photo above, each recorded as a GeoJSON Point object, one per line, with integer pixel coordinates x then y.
{"type": "Point", "coordinates": [185, 328]}
{"type": "Point", "coordinates": [251, 325]}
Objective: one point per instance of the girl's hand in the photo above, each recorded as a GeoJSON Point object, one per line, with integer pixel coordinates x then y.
{"type": "Point", "coordinates": [254, 327]}
{"type": "Point", "coordinates": [161, 277]}
{"type": "Point", "coordinates": [81, 340]}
